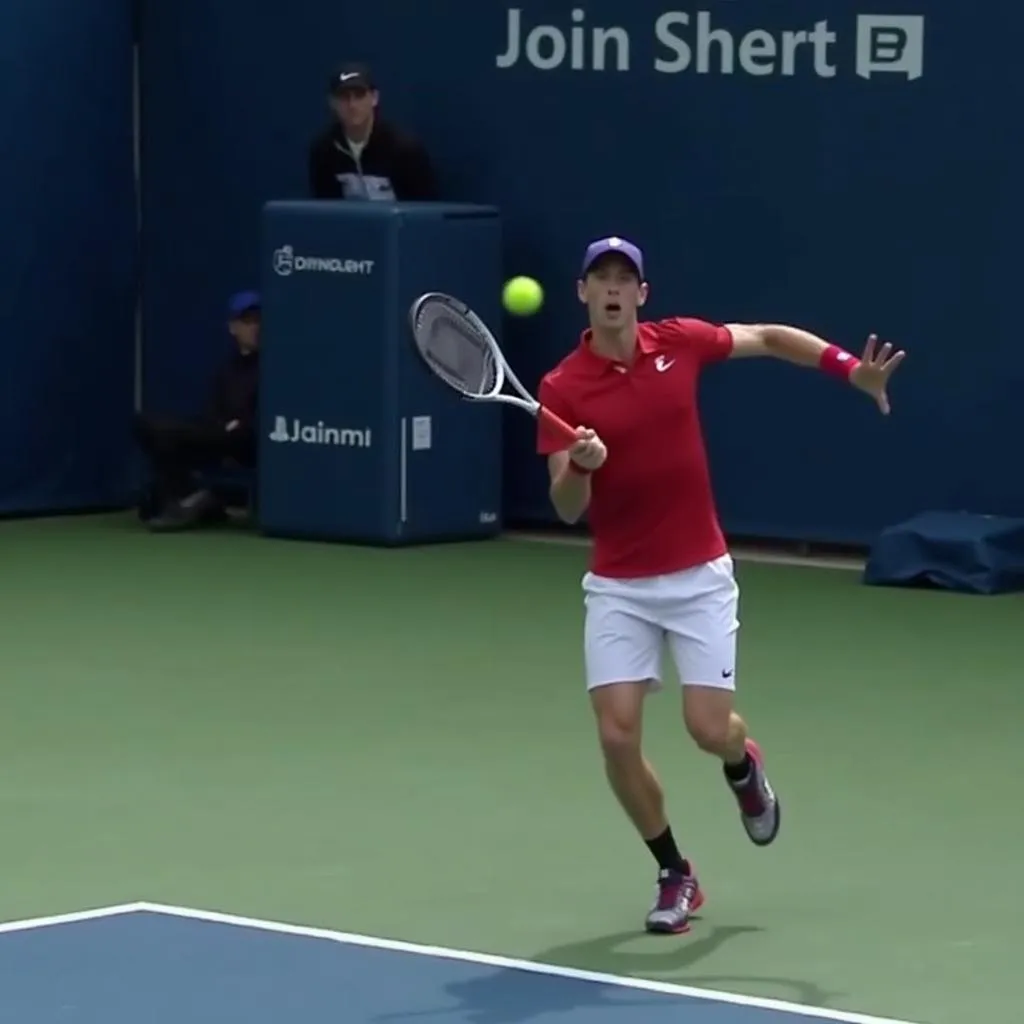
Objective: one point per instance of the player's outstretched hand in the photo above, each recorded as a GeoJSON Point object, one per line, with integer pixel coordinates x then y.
{"type": "Point", "coordinates": [589, 451]}
{"type": "Point", "coordinates": [876, 367]}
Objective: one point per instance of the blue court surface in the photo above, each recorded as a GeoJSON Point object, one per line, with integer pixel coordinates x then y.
{"type": "Point", "coordinates": [145, 963]}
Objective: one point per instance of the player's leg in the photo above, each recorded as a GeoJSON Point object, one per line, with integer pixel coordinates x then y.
{"type": "Point", "coordinates": [618, 710]}
{"type": "Point", "coordinates": [705, 708]}
{"type": "Point", "coordinates": [702, 635]}
{"type": "Point", "coordinates": [623, 658]}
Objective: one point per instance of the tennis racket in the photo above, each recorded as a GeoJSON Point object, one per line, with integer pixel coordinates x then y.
{"type": "Point", "coordinates": [458, 347]}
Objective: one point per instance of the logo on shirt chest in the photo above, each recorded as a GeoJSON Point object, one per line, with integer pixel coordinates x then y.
{"type": "Point", "coordinates": [374, 187]}
{"type": "Point", "coordinates": [661, 364]}
{"type": "Point", "coordinates": [631, 403]}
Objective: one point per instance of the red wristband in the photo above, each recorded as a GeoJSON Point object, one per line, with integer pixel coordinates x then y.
{"type": "Point", "coordinates": [575, 467]}
{"type": "Point", "coordinates": [837, 362]}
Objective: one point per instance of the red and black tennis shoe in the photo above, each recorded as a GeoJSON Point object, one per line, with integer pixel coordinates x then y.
{"type": "Point", "coordinates": [679, 897]}
{"type": "Point", "coordinates": [760, 810]}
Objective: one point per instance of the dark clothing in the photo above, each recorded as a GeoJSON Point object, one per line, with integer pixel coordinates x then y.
{"type": "Point", "coordinates": [235, 391]}
{"type": "Point", "coordinates": [391, 166]}
{"type": "Point", "coordinates": [178, 449]}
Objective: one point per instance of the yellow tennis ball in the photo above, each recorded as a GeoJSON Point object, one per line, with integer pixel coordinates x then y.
{"type": "Point", "coordinates": [522, 296]}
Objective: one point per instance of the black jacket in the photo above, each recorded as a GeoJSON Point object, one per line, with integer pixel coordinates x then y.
{"type": "Point", "coordinates": [392, 166]}
{"type": "Point", "coordinates": [235, 391]}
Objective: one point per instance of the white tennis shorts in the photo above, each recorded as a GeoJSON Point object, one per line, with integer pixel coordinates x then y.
{"type": "Point", "coordinates": [630, 622]}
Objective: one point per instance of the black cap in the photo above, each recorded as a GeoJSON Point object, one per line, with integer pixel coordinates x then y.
{"type": "Point", "coordinates": [351, 76]}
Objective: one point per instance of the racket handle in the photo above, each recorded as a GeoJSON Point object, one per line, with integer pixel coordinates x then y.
{"type": "Point", "coordinates": [557, 425]}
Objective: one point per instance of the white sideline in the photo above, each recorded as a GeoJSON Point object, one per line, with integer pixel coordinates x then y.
{"type": "Point", "coordinates": [441, 952]}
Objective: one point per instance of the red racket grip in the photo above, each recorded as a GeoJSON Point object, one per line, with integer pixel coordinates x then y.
{"type": "Point", "coordinates": [557, 425]}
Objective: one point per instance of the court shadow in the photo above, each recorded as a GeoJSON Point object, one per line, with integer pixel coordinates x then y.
{"type": "Point", "coordinates": [508, 996]}
{"type": "Point", "coordinates": [660, 954]}
{"type": "Point", "coordinates": [671, 961]}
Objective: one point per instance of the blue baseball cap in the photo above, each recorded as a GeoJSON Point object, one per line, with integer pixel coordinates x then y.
{"type": "Point", "coordinates": [242, 302]}
{"type": "Point", "coordinates": [614, 244]}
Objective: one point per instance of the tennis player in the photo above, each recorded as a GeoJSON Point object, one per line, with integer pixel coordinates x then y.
{"type": "Point", "coordinates": [660, 568]}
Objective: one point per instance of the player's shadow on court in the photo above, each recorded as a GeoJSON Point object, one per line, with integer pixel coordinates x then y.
{"type": "Point", "coordinates": [661, 954]}
{"type": "Point", "coordinates": [508, 996]}
{"type": "Point", "coordinates": [670, 959]}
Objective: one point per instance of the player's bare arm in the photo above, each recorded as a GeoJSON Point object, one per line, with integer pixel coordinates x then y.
{"type": "Point", "coordinates": [570, 475]}
{"type": "Point", "coordinates": [870, 373]}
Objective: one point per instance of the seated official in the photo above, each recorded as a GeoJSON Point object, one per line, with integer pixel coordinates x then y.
{"type": "Point", "coordinates": [362, 156]}
{"type": "Point", "coordinates": [223, 435]}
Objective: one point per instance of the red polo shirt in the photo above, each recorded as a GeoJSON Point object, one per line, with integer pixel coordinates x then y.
{"type": "Point", "coordinates": [651, 506]}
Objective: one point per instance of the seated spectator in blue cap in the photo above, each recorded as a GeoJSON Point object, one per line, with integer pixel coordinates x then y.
{"type": "Point", "coordinates": [221, 435]}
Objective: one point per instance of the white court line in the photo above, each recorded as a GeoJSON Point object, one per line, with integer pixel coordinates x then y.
{"type": "Point", "coordinates": [95, 914]}
{"type": "Point", "coordinates": [506, 963]}
{"type": "Point", "coordinates": [442, 952]}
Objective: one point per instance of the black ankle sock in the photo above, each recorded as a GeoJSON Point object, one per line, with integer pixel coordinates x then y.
{"type": "Point", "coordinates": [741, 771]}
{"type": "Point", "coordinates": [667, 854]}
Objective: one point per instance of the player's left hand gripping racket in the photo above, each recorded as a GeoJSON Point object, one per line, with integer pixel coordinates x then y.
{"type": "Point", "coordinates": [457, 345]}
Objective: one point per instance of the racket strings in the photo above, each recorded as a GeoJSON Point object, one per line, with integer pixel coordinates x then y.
{"type": "Point", "coordinates": [456, 351]}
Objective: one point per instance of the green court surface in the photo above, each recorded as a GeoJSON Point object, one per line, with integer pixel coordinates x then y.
{"type": "Point", "coordinates": [397, 742]}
